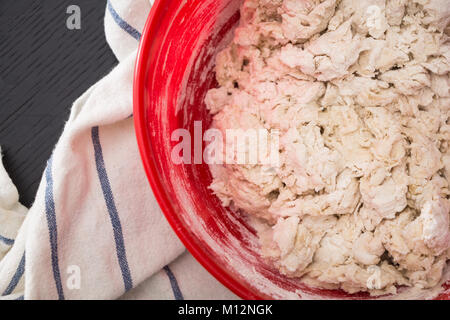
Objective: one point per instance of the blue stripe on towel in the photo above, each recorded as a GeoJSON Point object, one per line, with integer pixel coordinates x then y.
{"type": "Point", "coordinates": [112, 210]}
{"type": "Point", "coordinates": [122, 23]}
{"type": "Point", "coordinates": [16, 277]}
{"type": "Point", "coordinates": [174, 283]}
{"type": "Point", "coordinates": [52, 227]}
{"type": "Point", "coordinates": [7, 241]}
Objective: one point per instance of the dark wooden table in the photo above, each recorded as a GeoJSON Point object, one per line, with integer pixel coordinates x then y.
{"type": "Point", "coordinates": [44, 67]}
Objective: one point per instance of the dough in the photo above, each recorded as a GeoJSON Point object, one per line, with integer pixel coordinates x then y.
{"type": "Point", "coordinates": [359, 93]}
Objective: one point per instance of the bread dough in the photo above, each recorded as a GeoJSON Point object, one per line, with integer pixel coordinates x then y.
{"type": "Point", "coordinates": [359, 91]}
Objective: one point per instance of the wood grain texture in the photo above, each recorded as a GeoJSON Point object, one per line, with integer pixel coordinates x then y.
{"type": "Point", "coordinates": [44, 67]}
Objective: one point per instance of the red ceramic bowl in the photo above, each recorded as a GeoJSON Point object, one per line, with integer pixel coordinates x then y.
{"type": "Point", "coordinates": [174, 70]}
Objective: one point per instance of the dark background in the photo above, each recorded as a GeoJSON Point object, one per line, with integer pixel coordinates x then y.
{"type": "Point", "coordinates": [44, 67]}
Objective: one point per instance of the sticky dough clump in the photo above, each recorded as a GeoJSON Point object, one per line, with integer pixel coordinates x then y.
{"type": "Point", "coordinates": [359, 91]}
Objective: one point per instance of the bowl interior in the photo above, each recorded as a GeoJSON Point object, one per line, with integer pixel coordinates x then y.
{"type": "Point", "coordinates": [175, 69]}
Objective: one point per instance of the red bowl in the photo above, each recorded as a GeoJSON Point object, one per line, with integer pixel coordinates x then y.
{"type": "Point", "coordinates": [174, 70]}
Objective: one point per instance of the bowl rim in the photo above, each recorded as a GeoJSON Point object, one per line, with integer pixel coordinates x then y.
{"type": "Point", "coordinates": [145, 148]}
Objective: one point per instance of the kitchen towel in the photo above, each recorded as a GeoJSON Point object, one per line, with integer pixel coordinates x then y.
{"type": "Point", "coordinates": [95, 231]}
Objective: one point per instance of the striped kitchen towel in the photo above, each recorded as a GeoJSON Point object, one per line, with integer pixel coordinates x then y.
{"type": "Point", "coordinates": [95, 230]}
